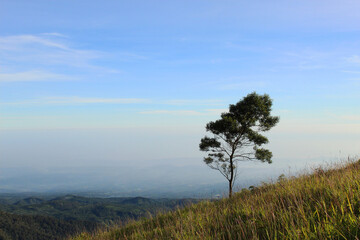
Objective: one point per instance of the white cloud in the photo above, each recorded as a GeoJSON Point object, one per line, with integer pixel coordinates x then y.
{"type": "Point", "coordinates": [91, 100]}
{"type": "Point", "coordinates": [349, 71]}
{"type": "Point", "coordinates": [193, 102]}
{"type": "Point", "coordinates": [18, 42]}
{"type": "Point", "coordinates": [96, 100]}
{"type": "Point", "coordinates": [351, 117]}
{"type": "Point", "coordinates": [186, 112]}
{"type": "Point", "coordinates": [128, 56]}
{"type": "Point", "coordinates": [44, 49]}
{"type": "Point", "coordinates": [244, 85]}
{"type": "Point", "coordinates": [308, 59]}
{"type": "Point", "coordinates": [80, 100]}
{"type": "Point", "coordinates": [173, 112]}
{"type": "Point", "coordinates": [23, 52]}
{"type": "Point", "coordinates": [307, 127]}
{"type": "Point", "coordinates": [32, 76]}
{"type": "Point", "coordinates": [55, 34]}
{"type": "Point", "coordinates": [217, 111]}
{"type": "Point", "coordinates": [354, 59]}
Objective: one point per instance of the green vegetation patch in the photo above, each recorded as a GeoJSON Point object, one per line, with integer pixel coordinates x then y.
{"type": "Point", "coordinates": [19, 227]}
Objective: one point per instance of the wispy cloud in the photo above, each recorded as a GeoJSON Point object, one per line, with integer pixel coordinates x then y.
{"type": "Point", "coordinates": [128, 56]}
{"type": "Point", "coordinates": [23, 53]}
{"type": "Point", "coordinates": [244, 85]}
{"type": "Point", "coordinates": [317, 128]}
{"type": "Point", "coordinates": [353, 72]}
{"type": "Point", "coordinates": [172, 112]}
{"type": "Point", "coordinates": [308, 59]}
{"type": "Point", "coordinates": [351, 117]}
{"type": "Point", "coordinates": [35, 51]}
{"type": "Point", "coordinates": [239, 82]}
{"type": "Point", "coordinates": [80, 100]}
{"type": "Point", "coordinates": [217, 111]}
{"type": "Point", "coordinates": [55, 34]}
{"type": "Point", "coordinates": [92, 100]}
{"type": "Point", "coordinates": [186, 112]}
{"type": "Point", "coordinates": [193, 102]}
{"type": "Point", "coordinates": [354, 59]}
{"type": "Point", "coordinates": [72, 100]}
{"type": "Point", "coordinates": [33, 76]}
{"type": "Point", "coordinates": [18, 42]}
{"type": "Point", "coordinates": [201, 61]}
{"type": "Point", "coordinates": [247, 45]}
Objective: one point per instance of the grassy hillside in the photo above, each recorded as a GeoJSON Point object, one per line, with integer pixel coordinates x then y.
{"type": "Point", "coordinates": [321, 205]}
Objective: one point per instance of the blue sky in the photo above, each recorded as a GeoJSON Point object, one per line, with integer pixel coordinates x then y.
{"type": "Point", "coordinates": [156, 72]}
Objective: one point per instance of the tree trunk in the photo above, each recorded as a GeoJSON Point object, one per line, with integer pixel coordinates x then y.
{"type": "Point", "coordinates": [230, 188]}
{"type": "Point", "coordinates": [231, 173]}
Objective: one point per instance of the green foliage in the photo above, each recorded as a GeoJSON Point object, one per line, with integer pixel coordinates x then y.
{"type": "Point", "coordinates": [14, 227]}
{"type": "Point", "coordinates": [101, 210]}
{"type": "Point", "coordinates": [322, 205]}
{"type": "Point", "coordinates": [68, 215]}
{"type": "Point", "coordinates": [237, 135]}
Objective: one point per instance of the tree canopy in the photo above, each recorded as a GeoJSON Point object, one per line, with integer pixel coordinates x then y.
{"type": "Point", "coordinates": [237, 136]}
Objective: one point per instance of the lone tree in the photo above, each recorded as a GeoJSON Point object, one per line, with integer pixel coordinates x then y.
{"type": "Point", "coordinates": [236, 136]}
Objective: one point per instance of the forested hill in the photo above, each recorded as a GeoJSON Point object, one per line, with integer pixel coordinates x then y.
{"type": "Point", "coordinates": [25, 227]}
{"type": "Point", "coordinates": [101, 210]}
{"type": "Point", "coordinates": [63, 216]}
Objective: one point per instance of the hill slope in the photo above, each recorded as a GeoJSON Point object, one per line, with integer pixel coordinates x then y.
{"type": "Point", "coordinates": [322, 205]}
{"type": "Point", "coordinates": [100, 210]}
{"type": "Point", "coordinates": [18, 227]}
